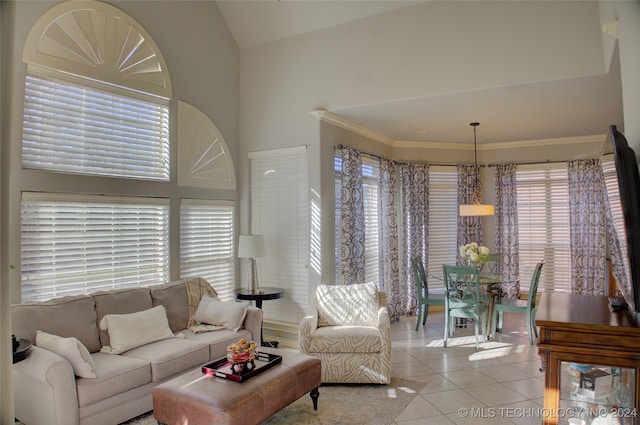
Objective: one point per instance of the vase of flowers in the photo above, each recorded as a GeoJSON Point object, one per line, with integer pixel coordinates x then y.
{"type": "Point", "coordinates": [474, 254]}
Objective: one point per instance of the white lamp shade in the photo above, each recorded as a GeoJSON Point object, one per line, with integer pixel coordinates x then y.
{"type": "Point", "coordinates": [472, 210]}
{"type": "Point", "coordinates": [251, 246]}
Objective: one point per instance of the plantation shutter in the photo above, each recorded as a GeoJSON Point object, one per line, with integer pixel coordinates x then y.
{"type": "Point", "coordinates": [73, 128]}
{"type": "Point", "coordinates": [543, 225]}
{"type": "Point", "coordinates": [79, 244]}
{"type": "Point", "coordinates": [206, 243]}
{"type": "Point", "coordinates": [280, 212]}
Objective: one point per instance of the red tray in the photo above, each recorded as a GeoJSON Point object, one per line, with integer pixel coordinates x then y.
{"type": "Point", "coordinates": [222, 368]}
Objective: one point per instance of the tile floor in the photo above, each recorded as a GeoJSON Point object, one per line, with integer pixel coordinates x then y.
{"type": "Point", "coordinates": [499, 384]}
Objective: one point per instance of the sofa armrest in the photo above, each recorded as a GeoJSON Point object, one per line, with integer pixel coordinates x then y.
{"type": "Point", "coordinates": [308, 325]}
{"type": "Point", "coordinates": [253, 322]}
{"type": "Point", "coordinates": [45, 389]}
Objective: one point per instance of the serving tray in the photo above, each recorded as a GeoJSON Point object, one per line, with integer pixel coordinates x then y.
{"type": "Point", "coordinates": [222, 368]}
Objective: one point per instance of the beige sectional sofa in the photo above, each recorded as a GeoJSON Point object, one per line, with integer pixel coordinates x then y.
{"type": "Point", "coordinates": [46, 390]}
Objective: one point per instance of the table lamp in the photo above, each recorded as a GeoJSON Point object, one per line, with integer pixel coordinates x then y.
{"type": "Point", "coordinates": [252, 247]}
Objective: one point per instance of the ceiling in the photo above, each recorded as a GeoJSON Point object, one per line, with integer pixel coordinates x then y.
{"type": "Point", "coordinates": [576, 107]}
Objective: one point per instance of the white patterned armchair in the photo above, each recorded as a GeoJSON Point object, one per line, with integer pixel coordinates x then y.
{"type": "Point", "coordinates": [350, 332]}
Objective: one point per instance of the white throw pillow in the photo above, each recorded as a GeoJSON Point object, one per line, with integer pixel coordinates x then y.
{"type": "Point", "coordinates": [344, 305]}
{"type": "Point", "coordinates": [71, 349]}
{"type": "Point", "coordinates": [212, 311]}
{"type": "Point", "coordinates": [127, 331]}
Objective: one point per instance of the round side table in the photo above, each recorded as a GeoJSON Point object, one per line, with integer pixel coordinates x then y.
{"type": "Point", "coordinates": [262, 294]}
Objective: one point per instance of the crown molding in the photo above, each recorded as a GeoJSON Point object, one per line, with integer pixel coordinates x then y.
{"type": "Point", "coordinates": [328, 117]}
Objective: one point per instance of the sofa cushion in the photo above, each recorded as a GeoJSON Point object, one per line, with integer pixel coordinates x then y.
{"type": "Point", "coordinates": [217, 340]}
{"type": "Point", "coordinates": [228, 314]}
{"type": "Point", "coordinates": [66, 317]}
{"type": "Point", "coordinates": [173, 296]}
{"type": "Point", "coordinates": [127, 331]}
{"type": "Point", "coordinates": [71, 349]}
{"type": "Point", "coordinates": [345, 339]}
{"type": "Point", "coordinates": [355, 304]}
{"type": "Point", "coordinates": [121, 301]}
{"type": "Point", "coordinates": [114, 375]}
{"type": "Point", "coordinates": [171, 356]}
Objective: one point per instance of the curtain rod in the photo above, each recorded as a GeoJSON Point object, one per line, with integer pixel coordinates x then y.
{"type": "Point", "coordinates": [439, 164]}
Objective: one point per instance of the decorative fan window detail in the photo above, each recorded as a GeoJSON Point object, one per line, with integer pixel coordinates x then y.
{"type": "Point", "coordinates": [204, 159]}
{"type": "Point", "coordinates": [96, 40]}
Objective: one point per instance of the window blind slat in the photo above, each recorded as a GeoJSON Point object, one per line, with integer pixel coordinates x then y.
{"type": "Point", "coordinates": [73, 129]}
{"type": "Point", "coordinates": [543, 223]}
{"type": "Point", "coordinates": [206, 244]}
{"type": "Point", "coordinates": [77, 247]}
{"type": "Point", "coordinates": [443, 222]}
{"type": "Point", "coordinates": [280, 212]}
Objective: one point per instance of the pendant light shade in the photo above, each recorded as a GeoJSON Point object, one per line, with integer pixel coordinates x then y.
{"type": "Point", "coordinates": [476, 207]}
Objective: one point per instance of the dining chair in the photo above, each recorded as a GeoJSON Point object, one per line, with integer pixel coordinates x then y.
{"type": "Point", "coordinates": [493, 268]}
{"type": "Point", "coordinates": [462, 298]}
{"type": "Point", "coordinates": [425, 298]}
{"type": "Point", "coordinates": [528, 307]}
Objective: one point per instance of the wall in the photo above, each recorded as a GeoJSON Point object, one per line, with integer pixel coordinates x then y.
{"type": "Point", "coordinates": [203, 61]}
{"type": "Point", "coordinates": [423, 50]}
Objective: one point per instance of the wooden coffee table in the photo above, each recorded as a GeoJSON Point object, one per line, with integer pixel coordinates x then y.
{"type": "Point", "coordinates": [198, 398]}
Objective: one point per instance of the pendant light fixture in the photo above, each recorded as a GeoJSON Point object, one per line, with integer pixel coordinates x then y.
{"type": "Point", "coordinates": [476, 207]}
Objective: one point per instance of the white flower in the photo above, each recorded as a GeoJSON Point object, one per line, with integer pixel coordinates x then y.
{"type": "Point", "coordinates": [474, 253]}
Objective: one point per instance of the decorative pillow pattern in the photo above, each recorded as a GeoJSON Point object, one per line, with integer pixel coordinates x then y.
{"type": "Point", "coordinates": [340, 305]}
{"type": "Point", "coordinates": [71, 349]}
{"type": "Point", "coordinates": [212, 311]}
{"type": "Point", "coordinates": [127, 331]}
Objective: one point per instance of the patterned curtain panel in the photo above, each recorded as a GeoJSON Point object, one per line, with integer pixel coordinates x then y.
{"type": "Point", "coordinates": [415, 220]}
{"type": "Point", "coordinates": [587, 222]}
{"type": "Point", "coordinates": [390, 279]}
{"type": "Point", "coordinates": [507, 228]}
{"type": "Point", "coordinates": [352, 218]}
{"type": "Point", "coordinates": [469, 229]}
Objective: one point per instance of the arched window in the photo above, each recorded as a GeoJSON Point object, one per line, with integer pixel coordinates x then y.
{"type": "Point", "coordinates": [96, 122]}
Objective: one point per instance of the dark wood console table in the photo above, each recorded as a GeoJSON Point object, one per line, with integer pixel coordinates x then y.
{"type": "Point", "coordinates": [581, 330]}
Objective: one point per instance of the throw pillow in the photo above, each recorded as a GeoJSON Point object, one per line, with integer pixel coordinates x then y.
{"type": "Point", "coordinates": [344, 305]}
{"type": "Point", "coordinates": [212, 311]}
{"type": "Point", "coordinates": [127, 331]}
{"type": "Point", "coordinates": [71, 349]}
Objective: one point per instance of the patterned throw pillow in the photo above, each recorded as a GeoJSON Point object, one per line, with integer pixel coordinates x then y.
{"type": "Point", "coordinates": [340, 305]}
